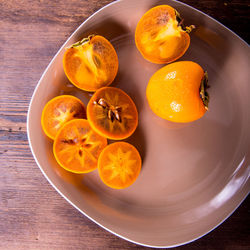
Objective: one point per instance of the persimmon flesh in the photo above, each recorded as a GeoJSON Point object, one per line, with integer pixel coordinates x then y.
{"type": "Point", "coordinates": [112, 113]}
{"type": "Point", "coordinates": [159, 35]}
{"type": "Point", "coordinates": [60, 110]}
{"type": "Point", "coordinates": [91, 63]}
{"type": "Point", "coordinates": [119, 165]}
{"type": "Point", "coordinates": [77, 147]}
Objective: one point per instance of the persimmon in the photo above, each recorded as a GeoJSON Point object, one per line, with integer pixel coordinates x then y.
{"type": "Point", "coordinates": [58, 111]}
{"type": "Point", "coordinates": [91, 63]}
{"type": "Point", "coordinates": [119, 165]}
{"type": "Point", "coordinates": [77, 147]}
{"type": "Point", "coordinates": [160, 36]}
{"type": "Point", "coordinates": [112, 113]}
{"type": "Point", "coordinates": [178, 92]}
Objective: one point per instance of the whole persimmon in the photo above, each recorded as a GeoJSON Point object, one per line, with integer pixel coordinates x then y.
{"type": "Point", "coordinates": [91, 63]}
{"type": "Point", "coordinates": [160, 36]}
{"type": "Point", "coordinates": [178, 92]}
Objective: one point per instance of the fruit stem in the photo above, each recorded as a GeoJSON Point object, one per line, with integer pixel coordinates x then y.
{"type": "Point", "coordinates": [203, 90]}
{"type": "Point", "coordinates": [81, 42]}
{"type": "Point", "coordinates": [180, 21]}
{"type": "Point", "coordinates": [189, 28]}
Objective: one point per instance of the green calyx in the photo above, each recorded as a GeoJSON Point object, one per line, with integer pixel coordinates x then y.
{"type": "Point", "coordinates": [81, 42]}
{"type": "Point", "coordinates": [188, 29]}
{"type": "Point", "coordinates": [180, 21]}
{"type": "Point", "coordinates": [203, 90]}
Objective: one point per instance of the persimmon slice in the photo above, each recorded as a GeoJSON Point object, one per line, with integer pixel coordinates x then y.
{"type": "Point", "coordinates": [91, 63]}
{"type": "Point", "coordinates": [58, 111]}
{"type": "Point", "coordinates": [119, 165]}
{"type": "Point", "coordinates": [77, 147]}
{"type": "Point", "coordinates": [112, 113]}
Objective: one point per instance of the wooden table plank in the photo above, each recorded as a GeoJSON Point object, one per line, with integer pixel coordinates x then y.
{"type": "Point", "coordinates": [32, 214]}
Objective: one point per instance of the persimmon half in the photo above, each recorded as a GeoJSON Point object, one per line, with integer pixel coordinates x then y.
{"type": "Point", "coordinates": [112, 113]}
{"type": "Point", "coordinates": [91, 63]}
{"type": "Point", "coordinates": [178, 92]}
{"type": "Point", "coordinates": [77, 147]}
{"type": "Point", "coordinates": [119, 165]}
{"type": "Point", "coordinates": [60, 110]}
{"type": "Point", "coordinates": [160, 36]}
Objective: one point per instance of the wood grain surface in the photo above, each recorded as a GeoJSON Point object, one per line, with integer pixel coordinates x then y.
{"type": "Point", "coordinates": [32, 214]}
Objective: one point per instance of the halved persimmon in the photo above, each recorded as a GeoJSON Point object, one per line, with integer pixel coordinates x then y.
{"type": "Point", "coordinates": [112, 113]}
{"type": "Point", "coordinates": [91, 63]}
{"type": "Point", "coordinates": [159, 35]}
{"type": "Point", "coordinates": [77, 147]}
{"type": "Point", "coordinates": [119, 165]}
{"type": "Point", "coordinates": [58, 111]}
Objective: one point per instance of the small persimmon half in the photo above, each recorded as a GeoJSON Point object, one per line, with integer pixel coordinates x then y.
{"type": "Point", "coordinates": [77, 147]}
{"type": "Point", "coordinates": [112, 113]}
{"type": "Point", "coordinates": [60, 110]}
{"type": "Point", "coordinates": [160, 36]}
{"type": "Point", "coordinates": [178, 92]}
{"type": "Point", "coordinates": [119, 165]}
{"type": "Point", "coordinates": [91, 63]}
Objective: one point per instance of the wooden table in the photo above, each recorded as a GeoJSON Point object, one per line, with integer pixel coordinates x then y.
{"type": "Point", "coordinates": [32, 214]}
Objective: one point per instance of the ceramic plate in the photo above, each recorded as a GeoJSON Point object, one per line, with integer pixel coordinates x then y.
{"type": "Point", "coordinates": [194, 175]}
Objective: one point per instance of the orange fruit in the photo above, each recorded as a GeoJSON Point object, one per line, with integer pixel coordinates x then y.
{"type": "Point", "coordinates": [58, 111]}
{"type": "Point", "coordinates": [178, 92]}
{"type": "Point", "coordinates": [119, 165]}
{"type": "Point", "coordinates": [159, 35]}
{"type": "Point", "coordinates": [77, 147]}
{"type": "Point", "coordinates": [112, 113]}
{"type": "Point", "coordinates": [91, 63]}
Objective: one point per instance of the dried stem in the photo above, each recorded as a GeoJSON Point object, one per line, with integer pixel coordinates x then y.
{"type": "Point", "coordinates": [203, 90]}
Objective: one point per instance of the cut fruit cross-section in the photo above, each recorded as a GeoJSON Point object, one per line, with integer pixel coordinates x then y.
{"type": "Point", "coordinates": [77, 147]}
{"type": "Point", "coordinates": [119, 165]}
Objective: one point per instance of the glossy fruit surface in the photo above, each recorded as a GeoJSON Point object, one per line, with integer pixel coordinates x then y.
{"type": "Point", "coordinates": [91, 63]}
{"type": "Point", "coordinates": [177, 92]}
{"type": "Point", "coordinates": [60, 110]}
{"type": "Point", "coordinates": [159, 35]}
{"type": "Point", "coordinates": [112, 113]}
{"type": "Point", "coordinates": [119, 165]}
{"type": "Point", "coordinates": [77, 147]}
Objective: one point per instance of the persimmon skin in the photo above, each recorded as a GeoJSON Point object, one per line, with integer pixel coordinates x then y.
{"type": "Point", "coordinates": [119, 165]}
{"type": "Point", "coordinates": [101, 119]}
{"type": "Point", "coordinates": [173, 92]}
{"type": "Point", "coordinates": [159, 37]}
{"type": "Point", "coordinates": [60, 110]}
{"type": "Point", "coordinates": [91, 63]}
